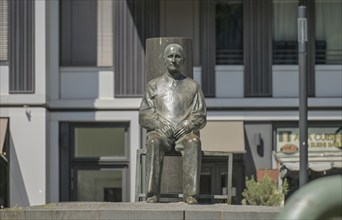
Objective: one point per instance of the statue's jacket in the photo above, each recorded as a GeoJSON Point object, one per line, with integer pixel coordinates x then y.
{"type": "Point", "coordinates": [173, 101]}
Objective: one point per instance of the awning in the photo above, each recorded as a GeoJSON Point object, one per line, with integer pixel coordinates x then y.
{"type": "Point", "coordinates": [317, 161]}
{"type": "Point", "coordinates": [223, 136]}
{"type": "Point", "coordinates": [315, 166]}
{"type": "Point", "coordinates": [3, 131]}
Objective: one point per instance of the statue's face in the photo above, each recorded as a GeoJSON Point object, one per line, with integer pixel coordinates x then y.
{"type": "Point", "coordinates": [173, 59]}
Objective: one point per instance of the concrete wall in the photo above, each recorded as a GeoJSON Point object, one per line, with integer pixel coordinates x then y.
{"type": "Point", "coordinates": [259, 150]}
{"type": "Point", "coordinates": [27, 126]}
{"type": "Point", "coordinates": [27, 150]}
{"type": "Point", "coordinates": [229, 81]}
{"type": "Point", "coordinates": [285, 81]}
{"type": "Point", "coordinates": [91, 83]}
{"type": "Point", "coordinates": [328, 80]}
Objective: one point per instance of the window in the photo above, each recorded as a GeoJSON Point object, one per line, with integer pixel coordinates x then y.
{"type": "Point", "coordinates": [103, 138]}
{"type": "Point", "coordinates": [213, 179]}
{"type": "Point", "coordinates": [237, 33]}
{"type": "Point", "coordinates": [86, 33]}
{"type": "Point", "coordinates": [285, 32]}
{"type": "Point", "coordinates": [104, 184]}
{"type": "Point", "coordinates": [3, 31]}
{"type": "Point", "coordinates": [97, 157]}
{"type": "Point", "coordinates": [328, 32]}
{"type": "Point", "coordinates": [229, 32]}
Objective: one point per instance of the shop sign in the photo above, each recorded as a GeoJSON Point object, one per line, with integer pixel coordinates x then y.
{"type": "Point", "coordinates": [319, 139]}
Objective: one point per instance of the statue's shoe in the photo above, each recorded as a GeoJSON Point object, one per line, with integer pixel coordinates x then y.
{"type": "Point", "coordinates": [191, 200]}
{"type": "Point", "coordinates": [152, 199]}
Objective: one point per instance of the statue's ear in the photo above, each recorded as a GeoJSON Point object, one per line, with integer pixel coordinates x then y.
{"type": "Point", "coordinates": [183, 60]}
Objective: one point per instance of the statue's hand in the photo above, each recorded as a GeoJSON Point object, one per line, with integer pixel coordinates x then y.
{"type": "Point", "coordinates": [183, 129]}
{"type": "Point", "coordinates": [165, 128]}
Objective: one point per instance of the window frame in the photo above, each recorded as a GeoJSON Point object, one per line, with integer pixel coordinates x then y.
{"type": "Point", "coordinates": [69, 165]}
{"type": "Point", "coordinates": [241, 50]}
{"type": "Point", "coordinates": [124, 183]}
{"type": "Point", "coordinates": [103, 47]}
{"type": "Point", "coordinates": [104, 159]}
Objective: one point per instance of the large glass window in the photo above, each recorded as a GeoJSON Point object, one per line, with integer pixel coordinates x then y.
{"type": "Point", "coordinates": [109, 141]}
{"type": "Point", "coordinates": [328, 43]}
{"type": "Point", "coordinates": [105, 184]}
{"type": "Point", "coordinates": [328, 32]}
{"type": "Point", "coordinates": [95, 160]}
{"type": "Point", "coordinates": [285, 32]}
{"type": "Point", "coordinates": [3, 31]}
{"type": "Point", "coordinates": [229, 32]}
{"type": "Point", "coordinates": [86, 33]}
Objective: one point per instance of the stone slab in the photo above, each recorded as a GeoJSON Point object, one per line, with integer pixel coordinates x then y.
{"type": "Point", "coordinates": [138, 210]}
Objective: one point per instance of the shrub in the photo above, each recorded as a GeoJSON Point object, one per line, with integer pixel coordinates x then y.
{"type": "Point", "coordinates": [264, 192]}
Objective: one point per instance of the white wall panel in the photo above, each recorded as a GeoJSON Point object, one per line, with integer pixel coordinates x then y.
{"type": "Point", "coordinates": [27, 162]}
{"type": "Point", "coordinates": [229, 81]}
{"type": "Point", "coordinates": [328, 81]}
{"type": "Point", "coordinates": [86, 83]}
{"type": "Point", "coordinates": [285, 81]}
{"type": "Point", "coordinates": [4, 80]}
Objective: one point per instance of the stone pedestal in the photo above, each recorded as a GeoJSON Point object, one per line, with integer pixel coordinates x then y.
{"type": "Point", "coordinates": [154, 56]}
{"type": "Point", "coordinates": [138, 210]}
{"type": "Point", "coordinates": [172, 175]}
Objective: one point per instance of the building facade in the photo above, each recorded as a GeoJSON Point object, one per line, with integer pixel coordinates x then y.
{"type": "Point", "coordinates": [72, 77]}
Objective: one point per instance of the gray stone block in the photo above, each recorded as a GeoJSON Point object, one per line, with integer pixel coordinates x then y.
{"type": "Point", "coordinates": [268, 215]}
{"type": "Point", "coordinates": [138, 210]}
{"type": "Point", "coordinates": [205, 215]}
{"type": "Point", "coordinates": [172, 175]}
{"type": "Point", "coordinates": [9, 214]}
{"type": "Point", "coordinates": [38, 214]}
{"type": "Point", "coordinates": [240, 215]}
{"type": "Point", "coordinates": [74, 214]}
{"type": "Point", "coordinates": [140, 214]}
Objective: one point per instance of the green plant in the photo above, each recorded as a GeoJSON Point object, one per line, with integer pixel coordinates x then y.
{"type": "Point", "coordinates": [264, 192]}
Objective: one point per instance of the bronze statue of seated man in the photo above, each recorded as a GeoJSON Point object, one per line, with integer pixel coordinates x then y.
{"type": "Point", "coordinates": [173, 111]}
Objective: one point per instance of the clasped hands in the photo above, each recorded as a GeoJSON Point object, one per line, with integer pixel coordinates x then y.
{"type": "Point", "coordinates": [170, 131]}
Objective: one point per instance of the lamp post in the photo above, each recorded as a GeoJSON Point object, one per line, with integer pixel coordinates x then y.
{"type": "Point", "coordinates": [303, 103]}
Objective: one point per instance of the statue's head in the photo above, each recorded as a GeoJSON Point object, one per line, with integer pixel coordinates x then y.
{"type": "Point", "coordinates": [173, 58]}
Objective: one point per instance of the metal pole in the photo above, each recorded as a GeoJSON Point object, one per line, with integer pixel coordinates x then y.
{"type": "Point", "coordinates": [303, 103]}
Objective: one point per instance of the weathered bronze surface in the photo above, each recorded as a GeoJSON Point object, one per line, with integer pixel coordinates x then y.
{"type": "Point", "coordinates": [173, 111]}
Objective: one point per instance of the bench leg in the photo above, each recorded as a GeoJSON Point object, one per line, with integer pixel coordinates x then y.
{"type": "Point", "coordinates": [229, 178]}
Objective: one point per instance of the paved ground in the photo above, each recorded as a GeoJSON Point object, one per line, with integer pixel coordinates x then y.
{"type": "Point", "coordinates": [138, 210]}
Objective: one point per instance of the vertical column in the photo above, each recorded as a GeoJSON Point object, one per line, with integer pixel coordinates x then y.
{"type": "Point", "coordinates": [208, 46]}
{"type": "Point", "coordinates": [303, 102]}
{"type": "Point", "coordinates": [21, 46]}
{"type": "Point", "coordinates": [134, 22]}
{"type": "Point", "coordinates": [258, 47]}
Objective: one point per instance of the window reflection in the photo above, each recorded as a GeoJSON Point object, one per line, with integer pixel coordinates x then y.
{"type": "Point", "coordinates": [229, 32]}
